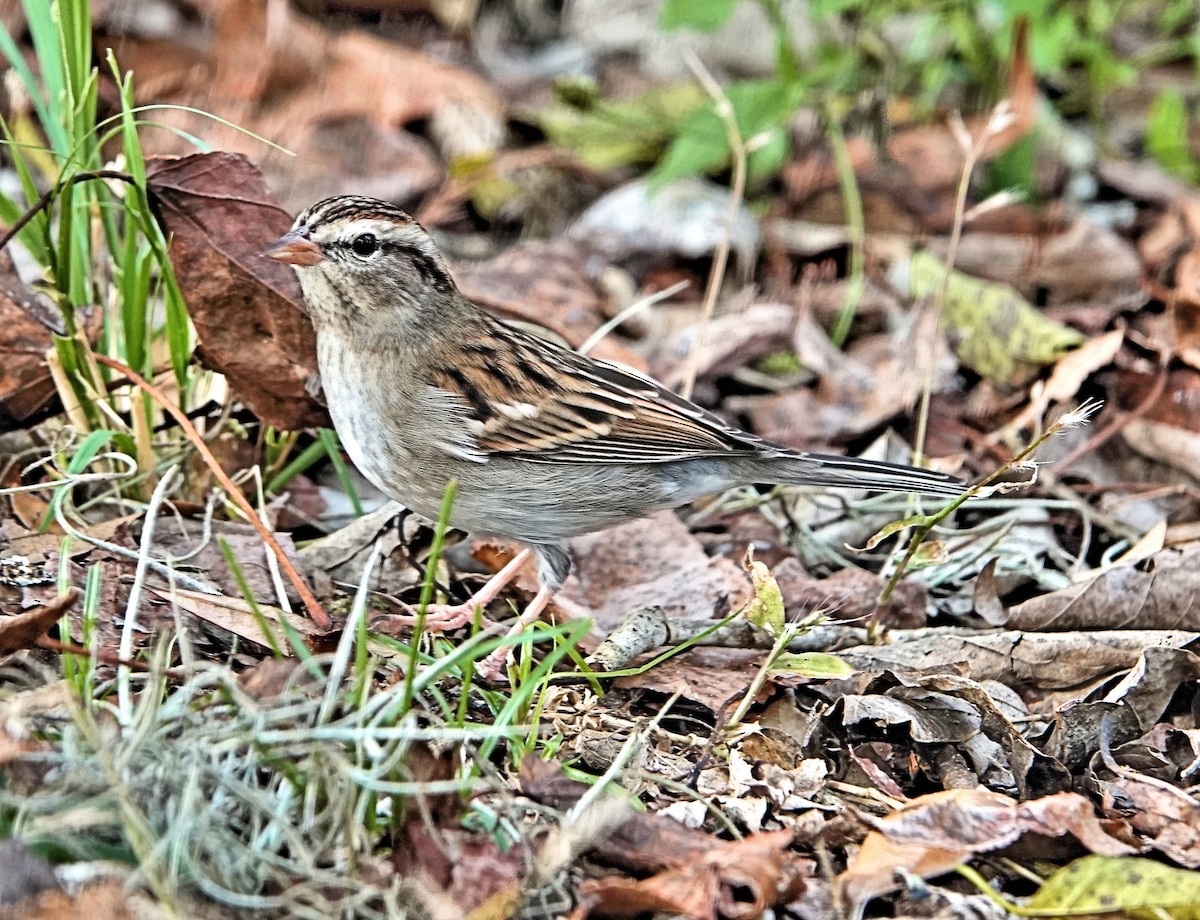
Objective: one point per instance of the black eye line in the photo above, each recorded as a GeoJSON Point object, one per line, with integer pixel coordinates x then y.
{"type": "Point", "coordinates": [382, 245]}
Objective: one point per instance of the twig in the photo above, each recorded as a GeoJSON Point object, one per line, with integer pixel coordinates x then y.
{"type": "Point", "coordinates": [737, 191]}
{"type": "Point", "coordinates": [315, 610]}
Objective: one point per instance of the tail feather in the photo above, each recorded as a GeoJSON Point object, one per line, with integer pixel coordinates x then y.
{"type": "Point", "coordinates": [874, 475]}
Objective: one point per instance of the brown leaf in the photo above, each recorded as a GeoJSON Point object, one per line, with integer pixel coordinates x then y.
{"type": "Point", "coordinates": [936, 832]}
{"type": "Point", "coordinates": [872, 382]}
{"type": "Point", "coordinates": [652, 561]}
{"type": "Point", "coordinates": [288, 78]}
{"type": "Point", "coordinates": [28, 322]}
{"type": "Point", "coordinates": [1162, 592]}
{"type": "Point", "coordinates": [1049, 660]}
{"type": "Point", "coordinates": [851, 594]}
{"type": "Point", "coordinates": [246, 309]}
{"type": "Point", "coordinates": [740, 878]}
{"type": "Point", "coordinates": [24, 630]}
{"type": "Point", "coordinates": [713, 677]}
{"type": "Point", "coordinates": [236, 616]}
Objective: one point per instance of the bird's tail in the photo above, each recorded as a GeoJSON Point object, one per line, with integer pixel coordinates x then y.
{"type": "Point", "coordinates": [875, 475]}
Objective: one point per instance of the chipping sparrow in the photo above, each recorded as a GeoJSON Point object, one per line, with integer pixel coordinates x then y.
{"type": "Point", "coordinates": [546, 444]}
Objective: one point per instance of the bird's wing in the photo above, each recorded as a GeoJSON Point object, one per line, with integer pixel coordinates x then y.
{"type": "Point", "coordinates": [526, 396]}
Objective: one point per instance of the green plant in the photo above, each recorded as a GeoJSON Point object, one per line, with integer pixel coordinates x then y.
{"type": "Point", "coordinates": [862, 54]}
{"type": "Point", "coordinates": [1167, 136]}
{"type": "Point", "coordinates": [99, 243]}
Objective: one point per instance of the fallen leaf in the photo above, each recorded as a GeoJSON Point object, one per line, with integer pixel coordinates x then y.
{"type": "Point", "coordinates": [648, 562]}
{"type": "Point", "coordinates": [932, 834]}
{"type": "Point", "coordinates": [1108, 885]}
{"type": "Point", "coordinates": [25, 629]}
{"type": "Point", "coordinates": [235, 615]}
{"type": "Point", "coordinates": [1001, 336]}
{"type": "Point", "coordinates": [1069, 374]}
{"type": "Point", "coordinates": [1162, 592]}
{"type": "Point", "coordinates": [274, 72]}
{"type": "Point", "coordinates": [246, 309]}
{"type": "Point", "coordinates": [28, 324]}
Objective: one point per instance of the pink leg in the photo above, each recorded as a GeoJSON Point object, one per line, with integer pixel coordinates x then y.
{"type": "Point", "coordinates": [444, 617]}
{"type": "Point", "coordinates": [492, 667]}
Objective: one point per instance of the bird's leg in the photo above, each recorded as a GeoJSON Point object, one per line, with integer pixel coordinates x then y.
{"type": "Point", "coordinates": [444, 617]}
{"type": "Point", "coordinates": [492, 667]}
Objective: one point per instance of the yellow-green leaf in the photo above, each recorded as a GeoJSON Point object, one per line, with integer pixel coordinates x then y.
{"type": "Point", "coordinates": [811, 664]}
{"type": "Point", "coordinates": [607, 134]}
{"type": "Point", "coordinates": [766, 609]}
{"type": "Point", "coordinates": [999, 334]}
{"type": "Point", "coordinates": [1129, 885]}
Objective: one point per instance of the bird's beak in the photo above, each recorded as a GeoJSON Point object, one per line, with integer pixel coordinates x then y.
{"type": "Point", "coordinates": [295, 248]}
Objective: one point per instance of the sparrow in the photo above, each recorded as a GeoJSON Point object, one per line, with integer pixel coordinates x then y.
{"type": "Point", "coordinates": [424, 387]}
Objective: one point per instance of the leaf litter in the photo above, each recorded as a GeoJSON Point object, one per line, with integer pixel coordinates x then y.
{"type": "Point", "coordinates": [1027, 695]}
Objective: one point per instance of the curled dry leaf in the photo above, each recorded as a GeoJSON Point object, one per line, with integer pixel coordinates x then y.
{"type": "Point", "coordinates": [220, 217]}
{"type": "Point", "coordinates": [28, 322]}
{"type": "Point", "coordinates": [25, 629]}
{"type": "Point", "coordinates": [737, 879]}
{"type": "Point", "coordinates": [1162, 592]}
{"type": "Point", "coordinates": [936, 832]}
{"type": "Point", "coordinates": [1068, 376]}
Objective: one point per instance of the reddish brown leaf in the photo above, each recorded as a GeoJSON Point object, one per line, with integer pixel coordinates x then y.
{"type": "Point", "coordinates": [936, 832]}
{"type": "Point", "coordinates": [27, 324]}
{"type": "Point", "coordinates": [245, 308]}
{"type": "Point", "coordinates": [24, 630]}
{"type": "Point", "coordinates": [740, 878]}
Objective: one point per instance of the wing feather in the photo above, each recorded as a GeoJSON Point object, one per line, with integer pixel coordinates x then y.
{"type": "Point", "coordinates": [528, 396]}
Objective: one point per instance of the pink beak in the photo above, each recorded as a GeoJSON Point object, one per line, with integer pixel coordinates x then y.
{"type": "Point", "coordinates": [294, 248]}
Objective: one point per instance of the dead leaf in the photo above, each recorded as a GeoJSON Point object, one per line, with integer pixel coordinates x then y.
{"type": "Point", "coordinates": [741, 878]}
{"type": "Point", "coordinates": [28, 322]}
{"type": "Point", "coordinates": [246, 309]}
{"type": "Point", "coordinates": [851, 594]}
{"type": "Point", "coordinates": [1162, 592]}
{"type": "Point", "coordinates": [712, 677]}
{"type": "Point", "coordinates": [1046, 660]}
{"type": "Point", "coordinates": [25, 629]}
{"type": "Point", "coordinates": [275, 72]}
{"type": "Point", "coordinates": [934, 833]}
{"type": "Point", "coordinates": [235, 615]}
{"type": "Point", "coordinates": [1069, 374]}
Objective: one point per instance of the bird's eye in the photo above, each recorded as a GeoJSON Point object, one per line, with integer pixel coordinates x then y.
{"type": "Point", "coordinates": [365, 244]}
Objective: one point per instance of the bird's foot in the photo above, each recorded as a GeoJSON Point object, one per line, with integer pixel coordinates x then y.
{"type": "Point", "coordinates": [438, 617]}
{"type": "Point", "coordinates": [494, 666]}
{"type": "Point", "coordinates": [447, 617]}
